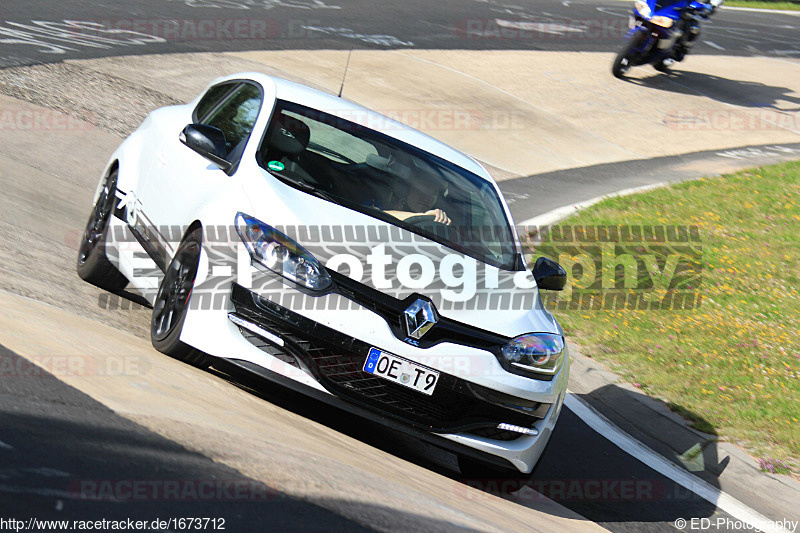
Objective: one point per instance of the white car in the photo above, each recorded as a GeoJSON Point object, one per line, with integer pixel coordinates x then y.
{"type": "Point", "coordinates": [333, 250]}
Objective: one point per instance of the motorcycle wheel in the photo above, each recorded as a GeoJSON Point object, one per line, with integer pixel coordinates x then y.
{"type": "Point", "coordinates": [661, 66]}
{"type": "Point", "coordinates": [624, 59]}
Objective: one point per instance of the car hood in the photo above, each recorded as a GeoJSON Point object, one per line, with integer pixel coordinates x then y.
{"type": "Point", "coordinates": [400, 263]}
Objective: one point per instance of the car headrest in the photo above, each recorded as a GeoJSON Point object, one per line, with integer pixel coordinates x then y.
{"type": "Point", "coordinates": [290, 136]}
{"type": "Point", "coordinates": [385, 164]}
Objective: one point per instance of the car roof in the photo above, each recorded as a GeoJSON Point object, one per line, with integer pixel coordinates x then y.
{"type": "Point", "coordinates": [317, 99]}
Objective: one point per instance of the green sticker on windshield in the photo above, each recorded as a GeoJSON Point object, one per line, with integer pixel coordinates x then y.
{"type": "Point", "coordinates": [277, 166]}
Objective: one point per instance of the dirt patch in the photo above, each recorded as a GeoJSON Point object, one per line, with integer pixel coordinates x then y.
{"type": "Point", "coordinates": [110, 103]}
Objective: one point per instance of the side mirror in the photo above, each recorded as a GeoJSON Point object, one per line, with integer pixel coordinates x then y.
{"type": "Point", "coordinates": [549, 275]}
{"type": "Point", "coordinates": [207, 141]}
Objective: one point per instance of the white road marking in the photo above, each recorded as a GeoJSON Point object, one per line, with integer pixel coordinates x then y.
{"type": "Point", "coordinates": [610, 11]}
{"type": "Point", "coordinates": [714, 45]}
{"type": "Point", "coordinates": [26, 473]}
{"type": "Point", "coordinates": [636, 449]}
{"type": "Point", "coordinates": [382, 40]}
{"type": "Point", "coordinates": [553, 28]}
{"type": "Point", "coordinates": [746, 153]}
{"type": "Point", "coordinates": [49, 36]}
{"type": "Point", "coordinates": [5, 446]}
{"type": "Point", "coordinates": [48, 472]}
{"type": "Point", "coordinates": [49, 493]}
{"type": "Point", "coordinates": [266, 4]}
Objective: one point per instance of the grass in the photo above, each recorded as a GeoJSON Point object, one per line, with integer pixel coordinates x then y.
{"type": "Point", "coordinates": [793, 6]}
{"type": "Point", "coordinates": [774, 466]}
{"type": "Point", "coordinates": [731, 365]}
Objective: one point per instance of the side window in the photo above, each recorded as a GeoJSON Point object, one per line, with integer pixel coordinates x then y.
{"type": "Point", "coordinates": [214, 96]}
{"type": "Point", "coordinates": [235, 115]}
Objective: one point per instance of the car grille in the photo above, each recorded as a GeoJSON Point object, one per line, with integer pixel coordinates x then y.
{"type": "Point", "coordinates": [336, 361]}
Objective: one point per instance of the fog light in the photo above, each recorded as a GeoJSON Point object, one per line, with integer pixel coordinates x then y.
{"type": "Point", "coordinates": [253, 328]}
{"type": "Point", "coordinates": [519, 429]}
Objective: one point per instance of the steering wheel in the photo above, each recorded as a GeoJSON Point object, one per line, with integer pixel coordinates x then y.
{"type": "Point", "coordinates": [419, 220]}
{"type": "Point", "coordinates": [429, 225]}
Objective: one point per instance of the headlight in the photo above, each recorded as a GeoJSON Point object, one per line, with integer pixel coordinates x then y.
{"type": "Point", "coordinates": [664, 22]}
{"type": "Point", "coordinates": [275, 251]}
{"type": "Point", "coordinates": [536, 352]}
{"type": "Point", "coordinates": [643, 9]}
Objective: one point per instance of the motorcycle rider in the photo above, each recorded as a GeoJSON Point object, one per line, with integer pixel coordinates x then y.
{"type": "Point", "coordinates": [690, 31]}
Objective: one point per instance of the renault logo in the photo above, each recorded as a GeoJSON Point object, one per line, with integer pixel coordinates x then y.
{"type": "Point", "coordinates": [420, 317]}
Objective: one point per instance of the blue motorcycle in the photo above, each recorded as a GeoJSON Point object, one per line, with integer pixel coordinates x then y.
{"type": "Point", "coordinates": [662, 32]}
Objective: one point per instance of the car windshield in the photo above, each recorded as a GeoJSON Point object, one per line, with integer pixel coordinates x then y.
{"type": "Point", "coordinates": [364, 170]}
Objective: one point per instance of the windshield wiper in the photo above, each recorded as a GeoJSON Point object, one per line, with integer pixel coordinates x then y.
{"type": "Point", "coordinates": [306, 187]}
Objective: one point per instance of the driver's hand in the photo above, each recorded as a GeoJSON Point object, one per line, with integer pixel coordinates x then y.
{"type": "Point", "coordinates": [441, 216]}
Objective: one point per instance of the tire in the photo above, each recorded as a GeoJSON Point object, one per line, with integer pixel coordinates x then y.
{"type": "Point", "coordinates": [93, 265]}
{"type": "Point", "coordinates": [623, 61]}
{"type": "Point", "coordinates": [172, 303]}
{"type": "Point", "coordinates": [661, 67]}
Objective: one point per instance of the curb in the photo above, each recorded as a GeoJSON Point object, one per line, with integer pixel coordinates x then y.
{"type": "Point", "coordinates": [649, 421]}
{"type": "Point", "coordinates": [655, 426]}
{"type": "Point", "coordinates": [561, 213]}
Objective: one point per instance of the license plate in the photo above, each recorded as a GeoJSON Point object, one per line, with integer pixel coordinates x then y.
{"type": "Point", "coordinates": [402, 371]}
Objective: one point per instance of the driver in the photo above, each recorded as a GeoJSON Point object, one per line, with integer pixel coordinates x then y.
{"type": "Point", "coordinates": [420, 201]}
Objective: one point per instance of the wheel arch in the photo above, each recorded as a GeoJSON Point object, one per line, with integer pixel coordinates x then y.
{"type": "Point", "coordinates": [129, 162]}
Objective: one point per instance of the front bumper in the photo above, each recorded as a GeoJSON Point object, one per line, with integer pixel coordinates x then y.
{"type": "Point", "coordinates": [464, 413]}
